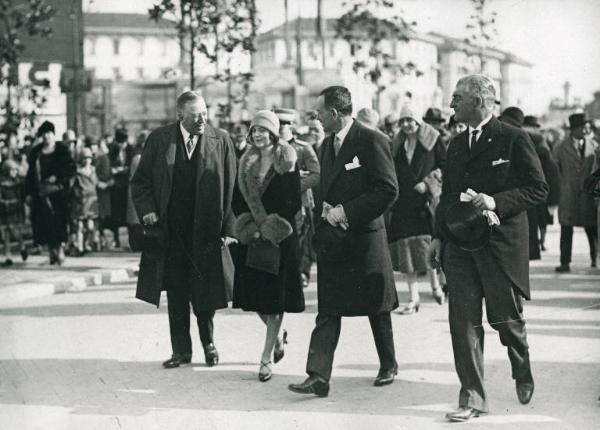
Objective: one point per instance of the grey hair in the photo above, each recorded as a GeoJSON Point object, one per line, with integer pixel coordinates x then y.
{"type": "Point", "coordinates": [188, 96]}
{"type": "Point", "coordinates": [479, 86]}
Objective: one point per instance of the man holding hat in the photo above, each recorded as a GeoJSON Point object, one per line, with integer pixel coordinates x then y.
{"type": "Point", "coordinates": [494, 166]}
{"type": "Point", "coordinates": [309, 177]}
{"type": "Point", "coordinates": [575, 159]}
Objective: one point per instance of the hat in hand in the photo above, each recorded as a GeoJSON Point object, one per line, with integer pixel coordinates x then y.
{"type": "Point", "coordinates": [465, 226]}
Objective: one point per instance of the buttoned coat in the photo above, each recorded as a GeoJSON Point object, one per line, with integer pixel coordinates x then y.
{"type": "Point", "coordinates": [215, 179]}
{"type": "Point", "coordinates": [355, 275]}
{"type": "Point", "coordinates": [503, 164]}
{"type": "Point", "coordinates": [575, 207]}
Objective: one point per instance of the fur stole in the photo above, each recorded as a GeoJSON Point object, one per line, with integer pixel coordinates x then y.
{"type": "Point", "coordinates": [427, 137]}
{"type": "Point", "coordinates": [257, 223]}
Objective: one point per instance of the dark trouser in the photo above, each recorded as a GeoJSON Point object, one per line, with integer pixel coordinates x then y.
{"type": "Point", "coordinates": [305, 227]}
{"type": "Point", "coordinates": [325, 338]}
{"type": "Point", "coordinates": [472, 277]}
{"type": "Point", "coordinates": [566, 242]}
{"type": "Point", "coordinates": [179, 322]}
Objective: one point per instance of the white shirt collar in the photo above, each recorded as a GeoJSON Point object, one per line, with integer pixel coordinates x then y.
{"type": "Point", "coordinates": [481, 124]}
{"type": "Point", "coordinates": [344, 131]}
{"type": "Point", "coordinates": [186, 134]}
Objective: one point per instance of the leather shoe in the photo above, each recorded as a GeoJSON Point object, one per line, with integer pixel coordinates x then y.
{"type": "Point", "coordinates": [524, 392]}
{"type": "Point", "coordinates": [177, 360]}
{"type": "Point", "coordinates": [464, 413]}
{"type": "Point", "coordinates": [385, 377]}
{"type": "Point", "coordinates": [312, 385]}
{"type": "Point", "coordinates": [211, 355]}
{"type": "Point", "coordinates": [563, 268]}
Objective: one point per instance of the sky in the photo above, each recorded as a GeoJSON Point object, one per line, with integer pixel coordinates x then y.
{"type": "Point", "coordinates": [560, 37]}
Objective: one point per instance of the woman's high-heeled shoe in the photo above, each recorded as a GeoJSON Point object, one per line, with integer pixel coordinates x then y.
{"type": "Point", "coordinates": [265, 372]}
{"type": "Point", "coordinates": [279, 351]}
{"type": "Point", "coordinates": [438, 295]}
{"type": "Point", "coordinates": [410, 308]}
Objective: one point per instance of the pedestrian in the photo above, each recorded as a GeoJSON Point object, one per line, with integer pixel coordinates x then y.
{"type": "Point", "coordinates": [51, 168]}
{"type": "Point", "coordinates": [266, 199]}
{"type": "Point", "coordinates": [354, 269]}
{"type": "Point", "coordinates": [84, 206]}
{"type": "Point", "coordinates": [368, 117]}
{"type": "Point", "coordinates": [433, 116]}
{"type": "Point", "coordinates": [540, 216]}
{"type": "Point", "coordinates": [310, 171]}
{"type": "Point", "coordinates": [391, 125]}
{"type": "Point", "coordinates": [182, 191]}
{"type": "Point", "coordinates": [12, 210]}
{"type": "Point", "coordinates": [495, 166]}
{"type": "Point", "coordinates": [316, 135]}
{"type": "Point", "coordinates": [419, 156]}
{"type": "Point", "coordinates": [240, 131]}
{"type": "Point", "coordinates": [119, 154]}
{"type": "Point", "coordinates": [575, 159]}
{"type": "Point", "coordinates": [105, 182]}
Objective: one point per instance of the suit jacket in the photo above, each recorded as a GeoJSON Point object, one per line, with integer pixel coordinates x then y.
{"type": "Point", "coordinates": [515, 181]}
{"type": "Point", "coordinates": [213, 219]}
{"type": "Point", "coordinates": [355, 275]}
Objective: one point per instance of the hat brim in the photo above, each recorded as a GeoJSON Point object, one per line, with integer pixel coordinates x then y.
{"type": "Point", "coordinates": [467, 244]}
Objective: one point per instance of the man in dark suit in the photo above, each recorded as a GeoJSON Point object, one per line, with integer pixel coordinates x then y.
{"type": "Point", "coordinates": [182, 188]}
{"type": "Point", "coordinates": [499, 163]}
{"type": "Point", "coordinates": [355, 277]}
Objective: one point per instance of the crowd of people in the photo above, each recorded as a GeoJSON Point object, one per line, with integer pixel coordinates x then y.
{"type": "Point", "coordinates": [241, 216]}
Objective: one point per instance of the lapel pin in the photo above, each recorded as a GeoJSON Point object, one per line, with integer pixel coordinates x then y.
{"type": "Point", "coordinates": [489, 139]}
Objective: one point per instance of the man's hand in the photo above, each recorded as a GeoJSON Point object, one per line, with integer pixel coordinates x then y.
{"type": "Point", "coordinates": [337, 217]}
{"type": "Point", "coordinates": [150, 219]}
{"type": "Point", "coordinates": [51, 179]}
{"type": "Point", "coordinates": [433, 253]}
{"type": "Point", "coordinates": [484, 202]}
{"type": "Point", "coordinates": [420, 188]}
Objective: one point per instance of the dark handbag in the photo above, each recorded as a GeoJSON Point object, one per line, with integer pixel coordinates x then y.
{"type": "Point", "coordinates": [264, 256]}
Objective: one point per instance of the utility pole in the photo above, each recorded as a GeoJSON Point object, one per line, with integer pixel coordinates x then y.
{"type": "Point", "coordinates": [286, 35]}
{"type": "Point", "coordinates": [321, 27]}
{"type": "Point", "coordinates": [299, 71]}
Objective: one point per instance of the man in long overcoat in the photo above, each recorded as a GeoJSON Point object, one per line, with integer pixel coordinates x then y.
{"type": "Point", "coordinates": [354, 268]}
{"type": "Point", "coordinates": [498, 162]}
{"type": "Point", "coordinates": [575, 159]}
{"type": "Point", "coordinates": [182, 192]}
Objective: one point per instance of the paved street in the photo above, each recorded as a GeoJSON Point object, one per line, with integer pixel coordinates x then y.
{"type": "Point", "coordinates": [91, 360]}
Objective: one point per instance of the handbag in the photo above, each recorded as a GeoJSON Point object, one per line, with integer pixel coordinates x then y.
{"type": "Point", "coordinates": [264, 256]}
{"type": "Point", "coordinates": [228, 271]}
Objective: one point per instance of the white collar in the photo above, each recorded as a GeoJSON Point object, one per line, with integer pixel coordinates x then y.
{"type": "Point", "coordinates": [186, 134]}
{"type": "Point", "coordinates": [344, 131]}
{"type": "Point", "coordinates": [481, 124]}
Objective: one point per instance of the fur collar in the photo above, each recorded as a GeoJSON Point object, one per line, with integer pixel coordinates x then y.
{"type": "Point", "coordinates": [427, 136]}
{"type": "Point", "coordinates": [284, 161]}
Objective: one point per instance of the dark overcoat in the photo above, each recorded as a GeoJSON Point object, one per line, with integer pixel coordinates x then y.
{"type": "Point", "coordinates": [575, 208]}
{"type": "Point", "coordinates": [410, 215]}
{"type": "Point", "coordinates": [150, 190]}
{"type": "Point", "coordinates": [503, 164]}
{"type": "Point", "coordinates": [355, 275]}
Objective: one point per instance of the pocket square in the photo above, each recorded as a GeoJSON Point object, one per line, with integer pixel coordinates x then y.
{"type": "Point", "coordinates": [353, 165]}
{"type": "Point", "coordinates": [499, 161]}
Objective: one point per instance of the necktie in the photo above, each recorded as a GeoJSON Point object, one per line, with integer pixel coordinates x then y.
{"type": "Point", "coordinates": [337, 144]}
{"type": "Point", "coordinates": [581, 147]}
{"type": "Point", "coordinates": [473, 139]}
{"type": "Point", "coordinates": [189, 146]}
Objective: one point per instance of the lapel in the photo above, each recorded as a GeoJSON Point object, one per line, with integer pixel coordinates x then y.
{"type": "Point", "coordinates": [172, 136]}
{"type": "Point", "coordinates": [572, 152]}
{"type": "Point", "coordinates": [486, 140]}
{"type": "Point", "coordinates": [347, 152]}
{"type": "Point", "coordinates": [207, 145]}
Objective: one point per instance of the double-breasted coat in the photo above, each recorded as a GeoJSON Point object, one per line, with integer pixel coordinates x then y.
{"type": "Point", "coordinates": [503, 164]}
{"type": "Point", "coordinates": [355, 275]}
{"type": "Point", "coordinates": [575, 207]}
{"type": "Point", "coordinates": [215, 179]}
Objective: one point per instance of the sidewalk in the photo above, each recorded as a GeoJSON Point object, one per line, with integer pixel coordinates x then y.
{"type": "Point", "coordinates": [37, 278]}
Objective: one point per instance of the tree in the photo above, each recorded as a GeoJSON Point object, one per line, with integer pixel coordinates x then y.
{"type": "Point", "coordinates": [482, 31]}
{"type": "Point", "coordinates": [365, 26]}
{"type": "Point", "coordinates": [18, 17]}
{"type": "Point", "coordinates": [217, 29]}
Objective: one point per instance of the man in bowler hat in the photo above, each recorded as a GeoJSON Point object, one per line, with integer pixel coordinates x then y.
{"type": "Point", "coordinates": [498, 162]}
{"type": "Point", "coordinates": [354, 268]}
{"type": "Point", "coordinates": [183, 187]}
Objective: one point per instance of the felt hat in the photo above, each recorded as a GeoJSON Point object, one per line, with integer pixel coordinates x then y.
{"type": "Point", "coordinates": [433, 115]}
{"type": "Point", "coordinates": [409, 111]}
{"type": "Point", "coordinates": [531, 121]}
{"type": "Point", "coordinates": [513, 115]}
{"type": "Point", "coordinates": [577, 120]}
{"type": "Point", "coordinates": [45, 128]}
{"type": "Point", "coordinates": [266, 119]}
{"type": "Point", "coordinates": [464, 225]}
{"type": "Point", "coordinates": [285, 116]}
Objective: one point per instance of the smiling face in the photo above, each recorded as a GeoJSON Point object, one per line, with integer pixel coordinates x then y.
{"type": "Point", "coordinates": [193, 116]}
{"type": "Point", "coordinates": [463, 104]}
{"type": "Point", "coordinates": [409, 125]}
{"type": "Point", "coordinates": [261, 137]}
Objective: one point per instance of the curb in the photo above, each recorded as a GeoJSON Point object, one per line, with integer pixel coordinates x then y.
{"type": "Point", "coordinates": [64, 284]}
